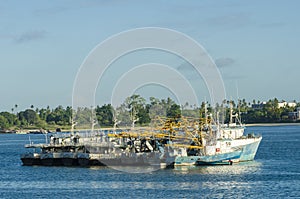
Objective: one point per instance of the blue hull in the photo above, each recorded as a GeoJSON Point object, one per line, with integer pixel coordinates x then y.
{"type": "Point", "coordinates": [249, 150]}
{"type": "Point", "coordinates": [186, 160]}
{"type": "Point", "coordinates": [217, 159]}
{"type": "Point", "coordinates": [220, 158]}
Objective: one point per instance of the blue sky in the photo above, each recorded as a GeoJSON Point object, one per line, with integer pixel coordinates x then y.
{"type": "Point", "coordinates": [255, 44]}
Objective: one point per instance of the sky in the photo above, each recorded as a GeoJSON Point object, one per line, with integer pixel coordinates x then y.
{"type": "Point", "coordinates": [254, 44]}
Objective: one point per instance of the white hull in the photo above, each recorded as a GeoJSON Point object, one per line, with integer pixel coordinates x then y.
{"type": "Point", "coordinates": [249, 145]}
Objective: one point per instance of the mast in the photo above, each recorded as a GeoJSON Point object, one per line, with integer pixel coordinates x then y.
{"type": "Point", "coordinates": [115, 119]}
{"type": "Point", "coordinates": [231, 113]}
{"type": "Point", "coordinates": [205, 114]}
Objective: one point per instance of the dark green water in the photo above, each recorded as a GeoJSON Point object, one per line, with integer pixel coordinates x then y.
{"type": "Point", "coordinates": [274, 174]}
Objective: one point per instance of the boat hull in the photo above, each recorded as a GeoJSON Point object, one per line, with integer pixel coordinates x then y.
{"type": "Point", "coordinates": [52, 159]}
{"type": "Point", "coordinates": [186, 160]}
{"type": "Point", "coordinates": [225, 158]}
{"type": "Point", "coordinates": [83, 159]}
{"type": "Point", "coordinates": [217, 159]}
{"type": "Point", "coordinates": [249, 146]}
{"type": "Point", "coordinates": [30, 159]}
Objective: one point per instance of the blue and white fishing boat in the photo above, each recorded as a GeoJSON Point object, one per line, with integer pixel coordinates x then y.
{"type": "Point", "coordinates": [234, 132]}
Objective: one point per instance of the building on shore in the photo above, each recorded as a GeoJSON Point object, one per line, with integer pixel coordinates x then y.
{"type": "Point", "coordinates": [282, 104]}
{"type": "Point", "coordinates": [258, 106]}
{"type": "Point", "coordinates": [286, 104]}
{"type": "Point", "coordinates": [295, 115]}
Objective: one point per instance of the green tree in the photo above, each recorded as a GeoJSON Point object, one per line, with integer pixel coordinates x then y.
{"type": "Point", "coordinates": [105, 115]}
{"type": "Point", "coordinates": [174, 111]}
{"type": "Point", "coordinates": [135, 105]}
{"type": "Point", "coordinates": [122, 116]}
{"type": "Point", "coordinates": [50, 118]}
{"type": "Point", "coordinates": [143, 115]}
{"type": "Point", "coordinates": [272, 112]}
{"type": "Point", "coordinates": [62, 116]}
{"type": "Point", "coordinates": [83, 117]}
{"type": "Point", "coordinates": [43, 114]}
{"type": "Point", "coordinates": [157, 109]}
{"type": "Point", "coordinates": [41, 123]}
{"type": "Point", "coordinates": [11, 118]}
{"type": "Point", "coordinates": [154, 101]}
{"type": "Point", "coordinates": [3, 123]}
{"type": "Point", "coordinates": [28, 116]}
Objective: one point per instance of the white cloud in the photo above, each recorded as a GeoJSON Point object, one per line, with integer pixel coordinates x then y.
{"type": "Point", "coordinates": [224, 61]}
{"type": "Point", "coordinates": [30, 36]}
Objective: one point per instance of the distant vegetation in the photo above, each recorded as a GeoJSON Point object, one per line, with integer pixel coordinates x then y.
{"type": "Point", "coordinates": [137, 111]}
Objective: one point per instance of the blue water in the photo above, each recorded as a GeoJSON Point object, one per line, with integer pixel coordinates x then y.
{"type": "Point", "coordinates": [274, 174]}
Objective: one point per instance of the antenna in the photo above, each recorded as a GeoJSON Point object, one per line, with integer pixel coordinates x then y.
{"type": "Point", "coordinates": [239, 107]}
{"type": "Point", "coordinates": [231, 111]}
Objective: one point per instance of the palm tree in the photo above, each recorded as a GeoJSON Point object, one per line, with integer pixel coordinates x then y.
{"type": "Point", "coordinates": [16, 106]}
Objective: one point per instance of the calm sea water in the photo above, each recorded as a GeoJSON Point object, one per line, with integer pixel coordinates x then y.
{"type": "Point", "coordinates": [274, 174]}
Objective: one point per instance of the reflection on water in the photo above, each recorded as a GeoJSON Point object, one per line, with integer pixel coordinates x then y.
{"type": "Point", "coordinates": [235, 169]}
{"type": "Point", "coordinates": [136, 169]}
{"type": "Point", "coordinates": [129, 169]}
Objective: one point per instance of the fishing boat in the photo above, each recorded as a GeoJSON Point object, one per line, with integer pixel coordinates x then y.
{"type": "Point", "coordinates": [212, 151]}
{"type": "Point", "coordinates": [218, 143]}
{"type": "Point", "coordinates": [234, 131]}
{"type": "Point", "coordinates": [197, 143]}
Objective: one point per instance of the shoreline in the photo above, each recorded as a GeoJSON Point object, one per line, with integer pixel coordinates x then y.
{"type": "Point", "coordinates": [146, 128]}
{"type": "Point", "coordinates": [273, 124]}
